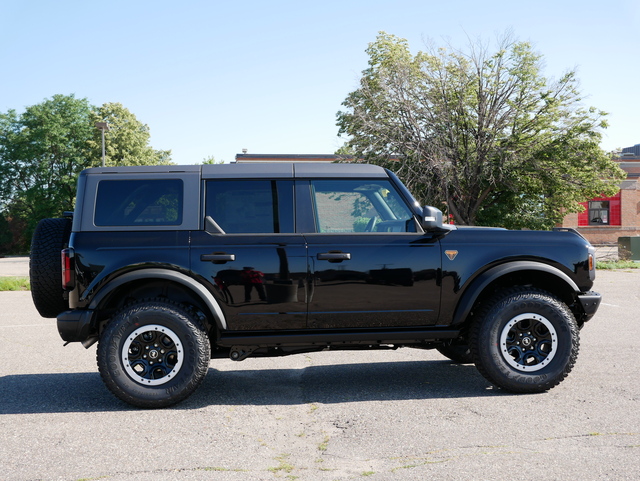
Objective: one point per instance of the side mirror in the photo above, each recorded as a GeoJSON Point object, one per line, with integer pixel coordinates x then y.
{"type": "Point", "coordinates": [431, 218]}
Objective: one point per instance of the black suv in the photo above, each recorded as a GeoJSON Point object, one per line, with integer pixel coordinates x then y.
{"type": "Point", "coordinates": [169, 266]}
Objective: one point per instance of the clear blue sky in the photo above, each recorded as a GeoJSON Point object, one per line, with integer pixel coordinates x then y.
{"type": "Point", "coordinates": [214, 77]}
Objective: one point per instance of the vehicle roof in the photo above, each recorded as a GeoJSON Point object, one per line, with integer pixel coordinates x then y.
{"type": "Point", "coordinates": [255, 170]}
{"type": "Point", "coordinates": [291, 170]}
{"type": "Point", "coordinates": [142, 169]}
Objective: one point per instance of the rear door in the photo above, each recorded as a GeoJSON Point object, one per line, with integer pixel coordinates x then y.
{"type": "Point", "coordinates": [370, 267]}
{"type": "Point", "coordinates": [249, 254]}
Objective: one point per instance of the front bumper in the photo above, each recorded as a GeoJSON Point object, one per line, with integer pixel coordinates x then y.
{"type": "Point", "coordinates": [590, 301]}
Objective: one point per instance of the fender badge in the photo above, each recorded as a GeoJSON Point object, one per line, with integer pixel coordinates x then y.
{"type": "Point", "coordinates": [451, 254]}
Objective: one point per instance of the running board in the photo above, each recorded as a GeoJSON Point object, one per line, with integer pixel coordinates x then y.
{"type": "Point", "coordinates": [315, 337]}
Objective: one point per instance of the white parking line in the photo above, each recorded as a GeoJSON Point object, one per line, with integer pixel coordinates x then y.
{"type": "Point", "coordinates": [25, 325]}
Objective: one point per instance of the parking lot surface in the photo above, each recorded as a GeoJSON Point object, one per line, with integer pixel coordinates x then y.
{"type": "Point", "coordinates": [14, 266]}
{"type": "Point", "coordinates": [392, 415]}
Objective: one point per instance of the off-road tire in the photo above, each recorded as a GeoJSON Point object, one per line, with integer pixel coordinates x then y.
{"type": "Point", "coordinates": [45, 268]}
{"type": "Point", "coordinates": [525, 340]}
{"type": "Point", "coordinates": [153, 354]}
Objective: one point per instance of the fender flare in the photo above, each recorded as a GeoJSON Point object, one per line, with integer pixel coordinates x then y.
{"type": "Point", "coordinates": [473, 291]}
{"type": "Point", "coordinates": [166, 274]}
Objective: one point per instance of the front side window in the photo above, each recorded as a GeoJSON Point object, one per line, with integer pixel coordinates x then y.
{"type": "Point", "coordinates": [350, 206]}
{"type": "Point", "coordinates": [131, 203]}
{"type": "Point", "coordinates": [599, 212]}
{"type": "Point", "coordinates": [251, 206]}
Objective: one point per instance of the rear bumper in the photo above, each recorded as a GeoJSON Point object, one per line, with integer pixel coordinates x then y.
{"type": "Point", "coordinates": [590, 301]}
{"type": "Point", "coordinates": [75, 325]}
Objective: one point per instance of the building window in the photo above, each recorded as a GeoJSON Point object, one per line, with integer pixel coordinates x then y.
{"type": "Point", "coordinates": [602, 211]}
{"type": "Point", "coordinates": [599, 212]}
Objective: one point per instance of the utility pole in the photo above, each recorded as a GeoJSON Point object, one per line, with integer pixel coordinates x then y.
{"type": "Point", "coordinates": [103, 126]}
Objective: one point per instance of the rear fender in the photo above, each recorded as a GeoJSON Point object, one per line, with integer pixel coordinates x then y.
{"type": "Point", "coordinates": [164, 274]}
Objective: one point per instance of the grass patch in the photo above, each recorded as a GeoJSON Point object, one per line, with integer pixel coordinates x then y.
{"type": "Point", "coordinates": [610, 265]}
{"type": "Point", "coordinates": [14, 284]}
{"type": "Point", "coordinates": [324, 444]}
{"type": "Point", "coordinates": [283, 466]}
{"type": "Point", "coordinates": [224, 470]}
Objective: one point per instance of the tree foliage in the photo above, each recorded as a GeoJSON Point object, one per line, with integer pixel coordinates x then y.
{"type": "Point", "coordinates": [43, 150]}
{"type": "Point", "coordinates": [211, 160]}
{"type": "Point", "coordinates": [484, 134]}
{"type": "Point", "coordinates": [126, 141]}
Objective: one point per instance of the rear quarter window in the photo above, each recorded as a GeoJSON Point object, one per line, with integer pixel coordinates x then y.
{"type": "Point", "coordinates": [153, 202]}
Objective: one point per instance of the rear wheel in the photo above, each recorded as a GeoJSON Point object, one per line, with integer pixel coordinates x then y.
{"type": "Point", "coordinates": [45, 267]}
{"type": "Point", "coordinates": [153, 354]}
{"type": "Point", "coordinates": [525, 340]}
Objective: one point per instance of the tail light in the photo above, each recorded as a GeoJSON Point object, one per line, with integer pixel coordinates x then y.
{"type": "Point", "coordinates": [68, 273]}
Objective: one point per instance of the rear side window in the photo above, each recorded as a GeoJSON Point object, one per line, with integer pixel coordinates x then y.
{"type": "Point", "coordinates": [251, 206]}
{"type": "Point", "coordinates": [153, 202]}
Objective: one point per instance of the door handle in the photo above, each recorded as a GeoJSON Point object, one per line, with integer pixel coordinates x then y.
{"type": "Point", "coordinates": [218, 257]}
{"type": "Point", "coordinates": [334, 256]}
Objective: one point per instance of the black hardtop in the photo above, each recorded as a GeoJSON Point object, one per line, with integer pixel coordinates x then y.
{"type": "Point", "coordinates": [279, 170]}
{"type": "Point", "coordinates": [290, 170]}
{"type": "Point", "coordinates": [143, 169]}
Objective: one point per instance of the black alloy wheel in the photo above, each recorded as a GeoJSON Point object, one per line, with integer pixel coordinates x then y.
{"type": "Point", "coordinates": [153, 354]}
{"type": "Point", "coordinates": [525, 340]}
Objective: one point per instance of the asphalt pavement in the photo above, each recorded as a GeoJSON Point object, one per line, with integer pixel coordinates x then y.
{"type": "Point", "coordinates": [393, 415]}
{"type": "Point", "coordinates": [14, 266]}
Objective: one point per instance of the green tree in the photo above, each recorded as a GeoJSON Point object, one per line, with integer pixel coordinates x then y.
{"type": "Point", "coordinates": [484, 134]}
{"type": "Point", "coordinates": [5, 235]}
{"type": "Point", "coordinates": [9, 131]}
{"type": "Point", "coordinates": [211, 160]}
{"type": "Point", "coordinates": [43, 150]}
{"type": "Point", "coordinates": [126, 141]}
{"type": "Point", "coordinates": [41, 154]}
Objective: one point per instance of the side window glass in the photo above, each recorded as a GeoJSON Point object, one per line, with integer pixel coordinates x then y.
{"type": "Point", "coordinates": [139, 202]}
{"type": "Point", "coordinates": [347, 206]}
{"type": "Point", "coordinates": [251, 206]}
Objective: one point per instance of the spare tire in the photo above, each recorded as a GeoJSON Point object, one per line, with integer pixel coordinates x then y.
{"type": "Point", "coordinates": [45, 267]}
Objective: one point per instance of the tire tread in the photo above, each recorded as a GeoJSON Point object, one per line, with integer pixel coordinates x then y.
{"type": "Point", "coordinates": [196, 329]}
{"type": "Point", "coordinates": [504, 300]}
{"type": "Point", "coordinates": [45, 270]}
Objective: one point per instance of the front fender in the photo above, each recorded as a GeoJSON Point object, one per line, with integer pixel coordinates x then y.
{"type": "Point", "coordinates": [480, 283]}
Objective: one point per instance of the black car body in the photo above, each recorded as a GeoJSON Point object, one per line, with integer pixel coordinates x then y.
{"type": "Point", "coordinates": [276, 259]}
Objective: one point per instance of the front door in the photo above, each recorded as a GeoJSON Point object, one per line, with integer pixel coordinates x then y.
{"type": "Point", "coordinates": [370, 268]}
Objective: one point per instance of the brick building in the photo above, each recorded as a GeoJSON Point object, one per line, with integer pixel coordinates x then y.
{"type": "Point", "coordinates": [605, 219]}
{"type": "Point", "coordinates": [244, 158]}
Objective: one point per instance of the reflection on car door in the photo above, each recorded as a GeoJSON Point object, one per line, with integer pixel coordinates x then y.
{"type": "Point", "coordinates": [249, 254]}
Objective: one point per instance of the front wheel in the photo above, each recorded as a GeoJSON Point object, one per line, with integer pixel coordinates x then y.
{"type": "Point", "coordinates": [525, 340]}
{"type": "Point", "coordinates": [153, 354]}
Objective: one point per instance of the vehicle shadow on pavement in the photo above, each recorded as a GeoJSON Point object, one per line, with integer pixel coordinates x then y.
{"type": "Point", "coordinates": [327, 384]}
{"type": "Point", "coordinates": [381, 381]}
{"type": "Point", "coordinates": [55, 393]}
